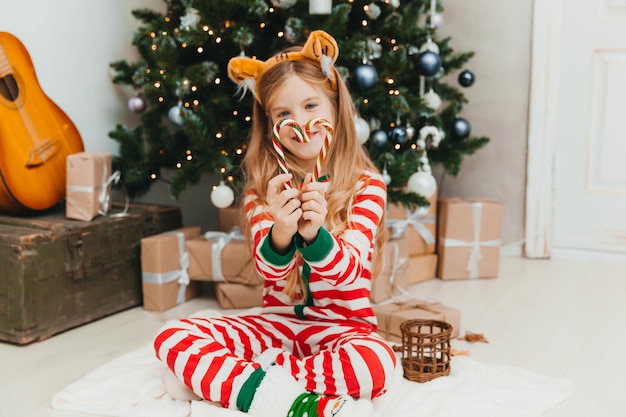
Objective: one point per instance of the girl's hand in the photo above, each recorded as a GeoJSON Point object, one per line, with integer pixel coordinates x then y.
{"type": "Point", "coordinates": [284, 205]}
{"type": "Point", "coordinates": [313, 208]}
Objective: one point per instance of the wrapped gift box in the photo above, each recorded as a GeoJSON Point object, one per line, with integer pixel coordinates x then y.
{"type": "Point", "coordinates": [221, 257]}
{"type": "Point", "coordinates": [238, 295]}
{"type": "Point", "coordinates": [421, 225]}
{"type": "Point", "coordinates": [469, 238]}
{"type": "Point", "coordinates": [393, 277]}
{"type": "Point", "coordinates": [164, 269]}
{"type": "Point", "coordinates": [421, 268]}
{"type": "Point", "coordinates": [88, 190]}
{"type": "Point", "coordinates": [391, 316]}
{"type": "Point", "coordinates": [229, 218]}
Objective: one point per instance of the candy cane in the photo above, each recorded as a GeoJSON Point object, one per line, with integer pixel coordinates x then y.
{"type": "Point", "coordinates": [302, 136]}
{"type": "Point", "coordinates": [327, 140]}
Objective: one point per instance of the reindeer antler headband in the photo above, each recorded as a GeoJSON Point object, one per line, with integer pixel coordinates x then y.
{"type": "Point", "coordinates": [320, 49]}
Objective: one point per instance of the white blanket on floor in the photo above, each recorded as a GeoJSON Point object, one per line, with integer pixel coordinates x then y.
{"type": "Point", "coordinates": [131, 386]}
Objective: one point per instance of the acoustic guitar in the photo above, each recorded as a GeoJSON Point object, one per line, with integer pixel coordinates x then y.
{"type": "Point", "coordinates": [36, 136]}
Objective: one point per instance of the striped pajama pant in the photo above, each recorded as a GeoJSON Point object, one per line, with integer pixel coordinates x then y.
{"type": "Point", "coordinates": [215, 356]}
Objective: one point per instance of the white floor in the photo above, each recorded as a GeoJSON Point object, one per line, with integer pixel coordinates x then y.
{"type": "Point", "coordinates": [554, 317]}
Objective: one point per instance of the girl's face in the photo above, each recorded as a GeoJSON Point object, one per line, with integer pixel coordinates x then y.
{"type": "Point", "coordinates": [298, 100]}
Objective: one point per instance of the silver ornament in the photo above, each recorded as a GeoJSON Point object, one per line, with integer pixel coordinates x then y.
{"type": "Point", "coordinates": [136, 104]}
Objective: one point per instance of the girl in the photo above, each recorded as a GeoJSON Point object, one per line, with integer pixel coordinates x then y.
{"type": "Point", "coordinates": [313, 350]}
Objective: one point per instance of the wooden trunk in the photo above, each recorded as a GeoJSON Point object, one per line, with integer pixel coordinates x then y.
{"type": "Point", "coordinates": [56, 274]}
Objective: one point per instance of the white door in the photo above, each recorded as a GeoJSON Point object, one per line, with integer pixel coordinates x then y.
{"type": "Point", "coordinates": [576, 193]}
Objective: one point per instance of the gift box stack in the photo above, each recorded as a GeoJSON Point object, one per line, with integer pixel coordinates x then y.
{"type": "Point", "coordinates": [409, 256]}
{"type": "Point", "coordinates": [175, 263]}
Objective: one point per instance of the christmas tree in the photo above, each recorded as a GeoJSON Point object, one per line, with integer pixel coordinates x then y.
{"type": "Point", "coordinates": [192, 121]}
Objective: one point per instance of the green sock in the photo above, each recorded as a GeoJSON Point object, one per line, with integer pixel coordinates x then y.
{"type": "Point", "coordinates": [246, 394]}
{"type": "Point", "coordinates": [305, 405]}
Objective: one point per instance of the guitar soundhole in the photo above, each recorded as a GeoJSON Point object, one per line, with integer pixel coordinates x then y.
{"type": "Point", "coordinates": [8, 87]}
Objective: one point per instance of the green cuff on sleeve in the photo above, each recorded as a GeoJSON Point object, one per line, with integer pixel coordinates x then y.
{"type": "Point", "coordinates": [274, 257]}
{"type": "Point", "coordinates": [318, 249]}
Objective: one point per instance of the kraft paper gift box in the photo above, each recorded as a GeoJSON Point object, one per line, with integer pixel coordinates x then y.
{"type": "Point", "coordinates": [221, 257]}
{"type": "Point", "coordinates": [229, 218]}
{"type": "Point", "coordinates": [393, 277]}
{"type": "Point", "coordinates": [88, 185]}
{"type": "Point", "coordinates": [421, 224]}
{"type": "Point", "coordinates": [238, 295]}
{"type": "Point", "coordinates": [421, 268]}
{"type": "Point", "coordinates": [469, 238]}
{"type": "Point", "coordinates": [391, 316]}
{"type": "Point", "coordinates": [164, 269]}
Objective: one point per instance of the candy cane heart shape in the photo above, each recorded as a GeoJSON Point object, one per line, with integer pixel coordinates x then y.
{"type": "Point", "coordinates": [302, 135]}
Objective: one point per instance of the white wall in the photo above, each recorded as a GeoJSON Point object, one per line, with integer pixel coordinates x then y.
{"type": "Point", "coordinates": [72, 43]}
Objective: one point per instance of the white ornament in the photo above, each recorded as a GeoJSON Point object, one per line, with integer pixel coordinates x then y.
{"type": "Point", "coordinates": [190, 19]}
{"type": "Point", "coordinates": [176, 115]}
{"type": "Point", "coordinates": [320, 6]}
{"type": "Point", "coordinates": [362, 129]}
{"type": "Point", "coordinates": [436, 135]}
{"type": "Point", "coordinates": [410, 131]}
{"type": "Point", "coordinates": [375, 49]}
{"type": "Point", "coordinates": [432, 99]}
{"type": "Point", "coordinates": [373, 11]}
{"type": "Point", "coordinates": [430, 46]}
{"type": "Point", "coordinates": [222, 196]}
{"type": "Point", "coordinates": [395, 3]}
{"type": "Point", "coordinates": [422, 183]}
{"type": "Point", "coordinates": [386, 177]}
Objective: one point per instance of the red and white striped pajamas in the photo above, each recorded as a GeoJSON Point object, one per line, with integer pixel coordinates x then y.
{"type": "Point", "coordinates": [327, 340]}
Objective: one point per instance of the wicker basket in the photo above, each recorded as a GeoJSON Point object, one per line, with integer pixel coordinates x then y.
{"type": "Point", "coordinates": [425, 349]}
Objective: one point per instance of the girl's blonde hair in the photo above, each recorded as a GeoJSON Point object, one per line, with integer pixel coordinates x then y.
{"type": "Point", "coordinates": [345, 161]}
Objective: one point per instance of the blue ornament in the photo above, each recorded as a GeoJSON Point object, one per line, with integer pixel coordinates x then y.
{"type": "Point", "coordinates": [379, 137]}
{"type": "Point", "coordinates": [428, 63]}
{"type": "Point", "coordinates": [461, 128]}
{"type": "Point", "coordinates": [364, 77]}
{"type": "Point", "coordinates": [398, 135]}
{"type": "Point", "coordinates": [466, 78]}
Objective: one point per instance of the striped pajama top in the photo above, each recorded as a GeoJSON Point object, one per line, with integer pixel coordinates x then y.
{"type": "Point", "coordinates": [336, 269]}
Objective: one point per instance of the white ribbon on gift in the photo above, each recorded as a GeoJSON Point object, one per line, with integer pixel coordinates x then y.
{"type": "Point", "coordinates": [181, 274]}
{"type": "Point", "coordinates": [418, 221]}
{"type": "Point", "coordinates": [220, 240]}
{"type": "Point", "coordinates": [474, 245]}
{"type": "Point", "coordinates": [104, 196]}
